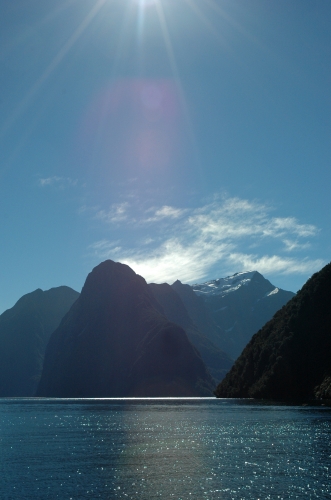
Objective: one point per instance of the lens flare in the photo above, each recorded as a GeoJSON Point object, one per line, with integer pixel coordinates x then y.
{"type": "Point", "coordinates": [133, 128]}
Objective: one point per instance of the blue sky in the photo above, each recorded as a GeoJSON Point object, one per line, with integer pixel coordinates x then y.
{"type": "Point", "coordinates": [187, 138]}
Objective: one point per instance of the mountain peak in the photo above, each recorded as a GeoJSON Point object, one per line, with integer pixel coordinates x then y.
{"type": "Point", "coordinates": [109, 267]}
{"type": "Point", "coordinates": [228, 284]}
{"type": "Point", "coordinates": [177, 282]}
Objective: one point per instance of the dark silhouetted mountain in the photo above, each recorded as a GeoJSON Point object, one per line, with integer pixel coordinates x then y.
{"type": "Point", "coordinates": [290, 357]}
{"type": "Point", "coordinates": [230, 310]}
{"type": "Point", "coordinates": [24, 332]}
{"type": "Point", "coordinates": [216, 360]}
{"type": "Point", "coordinates": [115, 341]}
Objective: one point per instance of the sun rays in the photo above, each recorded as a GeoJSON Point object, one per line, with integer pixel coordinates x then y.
{"type": "Point", "coordinates": [52, 66]}
{"type": "Point", "coordinates": [137, 12]}
{"type": "Point", "coordinates": [136, 20]}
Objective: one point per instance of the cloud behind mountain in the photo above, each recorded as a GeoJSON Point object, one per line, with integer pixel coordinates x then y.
{"type": "Point", "coordinates": [225, 236]}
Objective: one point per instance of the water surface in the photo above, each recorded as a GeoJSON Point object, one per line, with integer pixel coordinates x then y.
{"type": "Point", "coordinates": [164, 448]}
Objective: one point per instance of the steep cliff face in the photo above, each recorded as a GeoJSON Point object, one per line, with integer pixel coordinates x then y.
{"type": "Point", "coordinates": [216, 360]}
{"type": "Point", "coordinates": [115, 341]}
{"type": "Point", "coordinates": [24, 333]}
{"type": "Point", "coordinates": [290, 357]}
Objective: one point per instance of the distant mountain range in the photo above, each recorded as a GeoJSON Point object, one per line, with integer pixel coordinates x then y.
{"type": "Point", "coordinates": [290, 357]}
{"type": "Point", "coordinates": [111, 333]}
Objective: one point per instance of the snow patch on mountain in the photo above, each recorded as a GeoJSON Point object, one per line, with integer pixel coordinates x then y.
{"type": "Point", "coordinates": [224, 286]}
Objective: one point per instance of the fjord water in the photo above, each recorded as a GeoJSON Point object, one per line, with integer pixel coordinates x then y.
{"type": "Point", "coordinates": [163, 448]}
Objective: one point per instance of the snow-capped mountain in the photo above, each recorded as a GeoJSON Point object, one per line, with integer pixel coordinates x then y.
{"type": "Point", "coordinates": [226, 285]}
{"type": "Point", "coordinates": [234, 307]}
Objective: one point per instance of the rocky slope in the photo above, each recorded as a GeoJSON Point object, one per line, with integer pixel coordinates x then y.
{"type": "Point", "coordinates": [290, 357]}
{"type": "Point", "coordinates": [24, 332]}
{"type": "Point", "coordinates": [116, 341]}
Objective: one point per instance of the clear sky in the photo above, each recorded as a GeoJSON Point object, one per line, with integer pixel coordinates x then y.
{"type": "Point", "coordinates": [187, 138]}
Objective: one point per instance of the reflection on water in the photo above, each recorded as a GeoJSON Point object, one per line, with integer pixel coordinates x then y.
{"type": "Point", "coordinates": [146, 449]}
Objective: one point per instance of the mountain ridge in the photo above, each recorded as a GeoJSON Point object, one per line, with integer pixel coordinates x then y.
{"type": "Point", "coordinates": [194, 308]}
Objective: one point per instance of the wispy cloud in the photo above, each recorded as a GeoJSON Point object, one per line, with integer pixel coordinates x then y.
{"type": "Point", "coordinates": [191, 242]}
{"type": "Point", "coordinates": [291, 245]}
{"type": "Point", "coordinates": [103, 247]}
{"type": "Point", "coordinates": [165, 212]}
{"type": "Point", "coordinates": [116, 213]}
{"type": "Point", "coordinates": [274, 263]}
{"type": "Point", "coordinates": [59, 182]}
